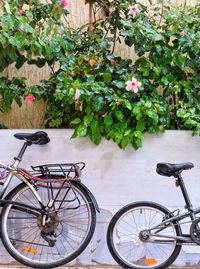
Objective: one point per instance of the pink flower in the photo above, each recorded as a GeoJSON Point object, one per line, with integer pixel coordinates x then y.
{"type": "Point", "coordinates": [133, 11]}
{"type": "Point", "coordinates": [77, 101]}
{"type": "Point", "coordinates": [133, 85]}
{"type": "Point", "coordinates": [64, 4]}
{"type": "Point", "coordinates": [29, 98]}
{"type": "Point", "coordinates": [77, 95]}
{"type": "Point", "coordinates": [21, 12]}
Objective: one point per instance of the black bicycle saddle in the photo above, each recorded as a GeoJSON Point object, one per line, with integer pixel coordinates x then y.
{"type": "Point", "coordinates": [39, 138]}
{"type": "Point", "coordinates": [168, 169]}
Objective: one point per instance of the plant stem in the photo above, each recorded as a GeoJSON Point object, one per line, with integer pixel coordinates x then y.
{"type": "Point", "coordinates": [115, 39]}
{"type": "Point", "coordinates": [175, 110]}
{"type": "Point", "coordinates": [91, 22]}
{"type": "Point", "coordinates": [161, 15]}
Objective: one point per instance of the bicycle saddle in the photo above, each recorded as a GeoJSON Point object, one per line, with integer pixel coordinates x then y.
{"type": "Point", "coordinates": [39, 138]}
{"type": "Point", "coordinates": [168, 169]}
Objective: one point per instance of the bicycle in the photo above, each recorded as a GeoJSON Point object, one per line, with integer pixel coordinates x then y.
{"type": "Point", "coordinates": [147, 235]}
{"type": "Point", "coordinates": [49, 218]}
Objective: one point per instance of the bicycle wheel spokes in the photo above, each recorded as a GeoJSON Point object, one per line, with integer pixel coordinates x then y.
{"type": "Point", "coordinates": [135, 244]}
{"type": "Point", "coordinates": [68, 227]}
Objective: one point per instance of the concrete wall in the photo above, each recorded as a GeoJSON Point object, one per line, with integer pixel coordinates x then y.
{"type": "Point", "coordinates": [118, 177]}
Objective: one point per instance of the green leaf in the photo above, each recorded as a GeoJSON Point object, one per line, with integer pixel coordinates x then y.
{"type": "Point", "coordinates": [158, 37]}
{"type": "Point", "coordinates": [55, 123]}
{"type": "Point", "coordinates": [127, 132]}
{"type": "Point", "coordinates": [151, 114]}
{"type": "Point", "coordinates": [179, 60]}
{"type": "Point", "coordinates": [190, 123]}
{"type": "Point", "coordinates": [181, 112]}
{"type": "Point", "coordinates": [119, 84]}
{"type": "Point", "coordinates": [88, 110]}
{"type": "Point", "coordinates": [108, 120]}
{"type": "Point", "coordinates": [125, 142]}
{"type": "Point", "coordinates": [107, 77]}
{"type": "Point", "coordinates": [7, 7]}
{"type": "Point", "coordinates": [98, 103]}
{"type": "Point", "coordinates": [94, 126]}
{"type": "Point", "coordinates": [28, 28]}
{"type": "Point", "coordinates": [139, 135]}
{"type": "Point", "coordinates": [81, 130]}
{"type": "Point", "coordinates": [118, 138]}
{"type": "Point", "coordinates": [39, 62]}
{"type": "Point", "coordinates": [128, 105]}
{"type": "Point", "coordinates": [119, 115]}
{"type": "Point", "coordinates": [20, 61]}
{"type": "Point", "coordinates": [165, 81]}
{"type": "Point", "coordinates": [87, 119]}
{"type": "Point", "coordinates": [95, 132]}
{"type": "Point", "coordinates": [137, 112]}
{"type": "Point", "coordinates": [140, 125]}
{"type": "Point", "coordinates": [76, 121]}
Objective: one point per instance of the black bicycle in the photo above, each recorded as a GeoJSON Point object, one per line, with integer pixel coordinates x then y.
{"type": "Point", "coordinates": [148, 235]}
{"type": "Point", "coordinates": [48, 219]}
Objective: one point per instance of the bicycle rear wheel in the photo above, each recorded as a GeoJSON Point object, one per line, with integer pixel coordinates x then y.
{"type": "Point", "coordinates": [134, 245]}
{"type": "Point", "coordinates": [67, 231]}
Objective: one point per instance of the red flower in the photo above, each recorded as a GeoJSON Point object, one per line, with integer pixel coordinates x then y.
{"type": "Point", "coordinates": [20, 30]}
{"type": "Point", "coordinates": [29, 98]}
{"type": "Point", "coordinates": [22, 12]}
{"type": "Point", "coordinates": [92, 62]}
{"type": "Point", "coordinates": [64, 4]}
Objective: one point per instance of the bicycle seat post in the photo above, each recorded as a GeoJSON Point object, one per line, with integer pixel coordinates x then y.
{"type": "Point", "coordinates": [21, 153]}
{"type": "Point", "coordinates": [180, 183]}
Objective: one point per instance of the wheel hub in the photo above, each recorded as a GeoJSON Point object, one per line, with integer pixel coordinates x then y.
{"type": "Point", "coordinates": [51, 223]}
{"type": "Point", "coordinates": [144, 235]}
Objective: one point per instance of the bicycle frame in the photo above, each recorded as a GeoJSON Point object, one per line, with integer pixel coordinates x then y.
{"type": "Point", "coordinates": [41, 216]}
{"type": "Point", "coordinates": [13, 172]}
{"type": "Point", "coordinates": [175, 219]}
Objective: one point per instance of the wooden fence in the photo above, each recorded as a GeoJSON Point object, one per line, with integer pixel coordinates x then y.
{"type": "Point", "coordinates": [32, 116]}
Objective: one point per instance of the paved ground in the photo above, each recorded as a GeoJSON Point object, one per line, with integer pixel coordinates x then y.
{"type": "Point", "coordinates": [94, 267]}
{"type": "Point", "coordinates": [68, 267]}
{"type": "Point", "coordinates": [14, 265]}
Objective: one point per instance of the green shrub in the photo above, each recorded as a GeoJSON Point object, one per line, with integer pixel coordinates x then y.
{"type": "Point", "coordinates": [89, 91]}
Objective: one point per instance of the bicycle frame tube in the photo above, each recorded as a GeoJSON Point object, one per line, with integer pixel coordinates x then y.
{"type": "Point", "coordinates": [164, 224]}
{"type": "Point", "coordinates": [197, 210]}
{"type": "Point", "coordinates": [178, 217]}
{"type": "Point", "coordinates": [12, 172]}
{"type": "Point", "coordinates": [6, 183]}
{"type": "Point", "coordinates": [20, 177]}
{"type": "Point", "coordinates": [182, 238]}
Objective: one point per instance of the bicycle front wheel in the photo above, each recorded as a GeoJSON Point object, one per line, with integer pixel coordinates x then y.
{"type": "Point", "coordinates": [68, 228]}
{"type": "Point", "coordinates": [137, 239]}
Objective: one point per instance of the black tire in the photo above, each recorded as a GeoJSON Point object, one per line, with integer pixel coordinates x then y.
{"type": "Point", "coordinates": [21, 230]}
{"type": "Point", "coordinates": [130, 248]}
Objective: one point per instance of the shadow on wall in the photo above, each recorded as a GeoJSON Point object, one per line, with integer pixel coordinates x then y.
{"type": "Point", "coordinates": [97, 252]}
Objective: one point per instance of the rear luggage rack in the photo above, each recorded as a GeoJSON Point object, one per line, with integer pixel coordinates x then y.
{"type": "Point", "coordinates": [59, 170]}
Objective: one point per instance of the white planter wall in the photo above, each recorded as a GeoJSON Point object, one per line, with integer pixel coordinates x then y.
{"type": "Point", "coordinates": [118, 177]}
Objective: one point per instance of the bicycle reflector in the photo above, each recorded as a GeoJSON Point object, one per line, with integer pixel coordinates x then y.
{"type": "Point", "coordinates": [30, 250]}
{"type": "Point", "coordinates": [150, 262]}
{"type": "Point", "coordinates": [77, 171]}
